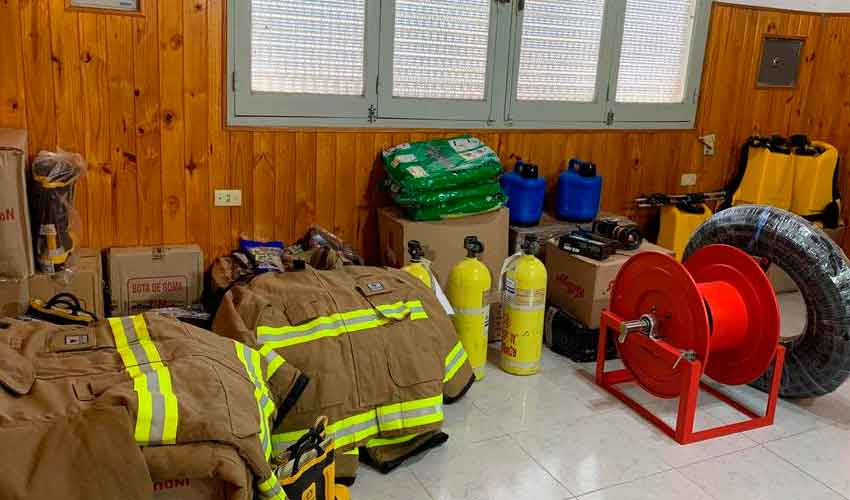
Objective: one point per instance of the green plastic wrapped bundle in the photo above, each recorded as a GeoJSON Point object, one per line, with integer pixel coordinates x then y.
{"type": "Point", "coordinates": [445, 196]}
{"type": "Point", "coordinates": [440, 164]}
{"type": "Point", "coordinates": [456, 208]}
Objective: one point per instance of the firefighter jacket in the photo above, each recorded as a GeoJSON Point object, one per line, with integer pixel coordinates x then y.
{"type": "Point", "coordinates": [100, 412]}
{"type": "Point", "coordinates": [377, 347]}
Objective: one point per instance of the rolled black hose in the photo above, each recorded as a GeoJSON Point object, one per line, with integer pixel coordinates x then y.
{"type": "Point", "coordinates": [818, 361]}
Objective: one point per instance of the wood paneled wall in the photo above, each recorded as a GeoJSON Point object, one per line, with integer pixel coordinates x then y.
{"type": "Point", "coordinates": [141, 98]}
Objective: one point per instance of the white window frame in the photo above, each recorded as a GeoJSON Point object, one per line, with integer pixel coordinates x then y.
{"type": "Point", "coordinates": [377, 108]}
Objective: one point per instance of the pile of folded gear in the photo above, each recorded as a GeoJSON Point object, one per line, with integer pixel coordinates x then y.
{"type": "Point", "coordinates": [443, 178]}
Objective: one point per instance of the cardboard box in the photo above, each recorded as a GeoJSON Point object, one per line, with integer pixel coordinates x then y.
{"type": "Point", "coordinates": [16, 252]}
{"type": "Point", "coordinates": [443, 240]}
{"type": "Point", "coordinates": [143, 278]}
{"type": "Point", "coordinates": [85, 281]}
{"type": "Point", "coordinates": [14, 297]}
{"type": "Point", "coordinates": [189, 489]}
{"type": "Point", "coordinates": [582, 286]}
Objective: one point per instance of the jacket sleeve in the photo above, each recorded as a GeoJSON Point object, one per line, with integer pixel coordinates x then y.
{"type": "Point", "coordinates": [237, 316]}
{"type": "Point", "coordinates": [457, 372]}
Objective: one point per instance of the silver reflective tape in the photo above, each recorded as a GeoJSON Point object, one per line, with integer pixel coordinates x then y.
{"type": "Point", "coordinates": [157, 431]}
{"type": "Point", "coordinates": [276, 337]}
{"type": "Point", "coordinates": [455, 360]}
{"type": "Point", "coordinates": [129, 330]}
{"type": "Point", "coordinates": [253, 374]}
{"type": "Point", "coordinates": [419, 412]}
{"type": "Point", "coordinates": [354, 428]}
{"type": "Point", "coordinates": [274, 492]}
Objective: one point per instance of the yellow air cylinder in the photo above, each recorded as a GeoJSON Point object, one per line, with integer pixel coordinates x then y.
{"type": "Point", "coordinates": [524, 309]}
{"type": "Point", "coordinates": [679, 223]}
{"type": "Point", "coordinates": [469, 282]}
{"type": "Point", "coordinates": [814, 176]}
{"type": "Point", "coordinates": [768, 179]}
{"type": "Point", "coordinates": [416, 267]}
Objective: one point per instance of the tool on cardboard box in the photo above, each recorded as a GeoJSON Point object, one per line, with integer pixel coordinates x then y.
{"type": "Point", "coordinates": [524, 307]}
{"type": "Point", "coordinates": [716, 314]}
{"type": "Point", "coordinates": [627, 233]}
{"type": "Point", "coordinates": [588, 245]}
{"type": "Point", "coordinates": [469, 282]}
{"type": "Point", "coordinates": [63, 309]}
{"type": "Point", "coordinates": [54, 178]}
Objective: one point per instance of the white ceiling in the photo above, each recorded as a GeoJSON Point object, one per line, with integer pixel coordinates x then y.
{"type": "Point", "coordinates": [808, 5]}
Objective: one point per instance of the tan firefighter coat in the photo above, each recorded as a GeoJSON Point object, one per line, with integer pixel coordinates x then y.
{"type": "Point", "coordinates": [379, 351]}
{"type": "Point", "coordinates": [100, 412]}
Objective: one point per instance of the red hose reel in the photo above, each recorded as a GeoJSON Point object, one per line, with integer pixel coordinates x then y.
{"type": "Point", "coordinates": [717, 314]}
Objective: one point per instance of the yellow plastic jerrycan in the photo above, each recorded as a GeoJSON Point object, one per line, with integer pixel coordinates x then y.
{"type": "Point", "coordinates": [679, 223]}
{"type": "Point", "coordinates": [814, 178]}
{"type": "Point", "coordinates": [417, 267]}
{"type": "Point", "coordinates": [769, 175]}
{"type": "Point", "coordinates": [469, 282]}
{"type": "Point", "coordinates": [524, 310]}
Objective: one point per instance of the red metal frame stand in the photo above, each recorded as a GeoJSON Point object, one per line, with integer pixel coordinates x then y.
{"type": "Point", "coordinates": [691, 382]}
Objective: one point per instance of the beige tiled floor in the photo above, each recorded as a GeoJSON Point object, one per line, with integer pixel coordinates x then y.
{"type": "Point", "coordinates": [556, 436]}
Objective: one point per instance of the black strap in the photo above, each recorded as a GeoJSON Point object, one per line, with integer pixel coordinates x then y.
{"type": "Point", "coordinates": [71, 302]}
{"type": "Point", "coordinates": [310, 441]}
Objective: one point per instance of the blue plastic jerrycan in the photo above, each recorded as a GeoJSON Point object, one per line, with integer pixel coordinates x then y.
{"type": "Point", "coordinates": [579, 192]}
{"type": "Point", "coordinates": [525, 190]}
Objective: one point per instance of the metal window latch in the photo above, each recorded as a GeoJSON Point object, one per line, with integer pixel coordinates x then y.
{"type": "Point", "coordinates": [610, 120]}
{"type": "Point", "coordinates": [689, 355]}
{"type": "Point", "coordinates": [373, 113]}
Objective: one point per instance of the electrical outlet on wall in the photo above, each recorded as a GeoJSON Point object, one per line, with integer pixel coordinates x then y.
{"type": "Point", "coordinates": [228, 198]}
{"type": "Point", "coordinates": [689, 180]}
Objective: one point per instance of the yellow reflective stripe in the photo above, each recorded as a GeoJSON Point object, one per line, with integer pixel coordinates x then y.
{"type": "Point", "coordinates": [454, 361]}
{"type": "Point", "coordinates": [157, 415]}
{"type": "Point", "coordinates": [251, 361]}
{"type": "Point", "coordinates": [274, 363]}
{"type": "Point", "coordinates": [169, 431]}
{"type": "Point", "coordinates": [337, 324]}
{"type": "Point", "coordinates": [362, 426]}
{"type": "Point", "coordinates": [378, 442]}
{"type": "Point", "coordinates": [270, 488]}
{"type": "Point", "coordinates": [355, 451]}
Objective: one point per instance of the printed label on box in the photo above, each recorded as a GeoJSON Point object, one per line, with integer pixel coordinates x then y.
{"type": "Point", "coordinates": [573, 289]}
{"type": "Point", "coordinates": [151, 293]}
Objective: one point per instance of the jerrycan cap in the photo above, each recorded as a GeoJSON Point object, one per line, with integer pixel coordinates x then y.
{"type": "Point", "coordinates": [414, 248]}
{"type": "Point", "coordinates": [473, 246]}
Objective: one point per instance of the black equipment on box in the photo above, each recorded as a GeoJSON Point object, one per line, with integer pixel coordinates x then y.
{"type": "Point", "coordinates": [588, 245]}
{"type": "Point", "coordinates": [572, 339]}
{"type": "Point", "coordinates": [626, 233]}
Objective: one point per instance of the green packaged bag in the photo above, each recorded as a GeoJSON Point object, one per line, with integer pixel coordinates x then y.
{"type": "Point", "coordinates": [443, 196]}
{"type": "Point", "coordinates": [457, 208]}
{"type": "Point", "coordinates": [440, 164]}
